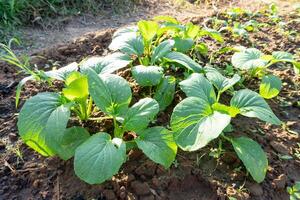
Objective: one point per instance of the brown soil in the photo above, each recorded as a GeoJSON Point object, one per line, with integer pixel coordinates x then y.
{"type": "Point", "coordinates": [27, 175]}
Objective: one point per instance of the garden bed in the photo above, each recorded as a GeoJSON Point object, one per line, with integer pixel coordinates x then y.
{"type": "Point", "coordinates": [26, 175]}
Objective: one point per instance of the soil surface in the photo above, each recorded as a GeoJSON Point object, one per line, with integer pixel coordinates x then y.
{"type": "Point", "coordinates": [26, 175]}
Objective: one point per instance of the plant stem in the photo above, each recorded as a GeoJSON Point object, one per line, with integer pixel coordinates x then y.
{"type": "Point", "coordinates": [226, 138]}
{"type": "Point", "coordinates": [118, 132]}
{"type": "Point", "coordinates": [131, 145]}
{"type": "Point", "coordinates": [99, 118]}
{"type": "Point", "coordinates": [89, 109]}
{"type": "Point", "coordinates": [218, 96]}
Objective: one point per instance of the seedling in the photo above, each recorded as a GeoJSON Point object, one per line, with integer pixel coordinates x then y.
{"type": "Point", "coordinates": [193, 119]}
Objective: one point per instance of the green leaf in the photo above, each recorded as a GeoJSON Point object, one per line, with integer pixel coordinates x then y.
{"type": "Point", "coordinates": [214, 34]}
{"type": "Point", "coordinates": [161, 50]}
{"type": "Point", "coordinates": [20, 86]}
{"type": "Point", "coordinates": [194, 123]}
{"type": "Point", "coordinates": [147, 75]}
{"type": "Point", "coordinates": [55, 128]}
{"type": "Point", "coordinates": [166, 18]}
{"type": "Point", "coordinates": [270, 86]}
{"type": "Point", "coordinates": [230, 110]}
{"type": "Point", "coordinates": [130, 44]}
{"type": "Point", "coordinates": [252, 104]}
{"type": "Point", "coordinates": [76, 89]}
{"type": "Point", "coordinates": [248, 59]}
{"type": "Point", "coordinates": [191, 30]}
{"type": "Point", "coordinates": [127, 30]}
{"type": "Point", "coordinates": [148, 29]}
{"type": "Point", "coordinates": [282, 56]}
{"type": "Point", "coordinates": [184, 60]}
{"type": "Point", "coordinates": [98, 158]}
{"type": "Point", "coordinates": [71, 139]}
{"type": "Point", "coordinates": [253, 157]}
{"type": "Point", "coordinates": [219, 81]}
{"type": "Point", "coordinates": [33, 118]}
{"type": "Point", "coordinates": [140, 114]}
{"type": "Point", "coordinates": [202, 48]}
{"type": "Point", "coordinates": [196, 85]}
{"type": "Point", "coordinates": [62, 73]}
{"type": "Point", "coordinates": [183, 45]}
{"type": "Point", "coordinates": [158, 144]}
{"type": "Point", "coordinates": [111, 93]}
{"type": "Point", "coordinates": [165, 92]}
{"type": "Point", "coordinates": [107, 64]}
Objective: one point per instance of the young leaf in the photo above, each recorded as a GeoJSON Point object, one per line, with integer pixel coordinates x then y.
{"type": "Point", "coordinates": [76, 89]}
{"type": "Point", "coordinates": [194, 123]}
{"type": "Point", "coordinates": [158, 144]}
{"type": "Point", "coordinates": [147, 75]}
{"type": "Point", "coordinates": [140, 114]}
{"type": "Point", "coordinates": [252, 104]}
{"type": "Point", "coordinates": [130, 44]}
{"type": "Point", "coordinates": [33, 119]}
{"type": "Point", "coordinates": [216, 35]}
{"type": "Point", "coordinates": [270, 86]}
{"type": "Point", "coordinates": [161, 50]}
{"type": "Point", "coordinates": [191, 30]}
{"type": "Point", "coordinates": [166, 18]}
{"type": "Point", "coordinates": [248, 59]}
{"type": "Point", "coordinates": [282, 56]}
{"type": "Point", "coordinates": [253, 157]}
{"type": "Point", "coordinates": [196, 85]}
{"type": "Point", "coordinates": [184, 60]}
{"type": "Point", "coordinates": [219, 81]}
{"type": "Point", "coordinates": [183, 45]}
{"type": "Point", "coordinates": [107, 64]}
{"type": "Point", "coordinates": [148, 29]}
{"type": "Point", "coordinates": [20, 86]}
{"type": "Point", "coordinates": [165, 92]}
{"type": "Point", "coordinates": [111, 93]}
{"type": "Point", "coordinates": [98, 158]}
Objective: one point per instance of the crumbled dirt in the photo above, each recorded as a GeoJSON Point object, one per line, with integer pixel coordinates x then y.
{"type": "Point", "coordinates": [26, 175]}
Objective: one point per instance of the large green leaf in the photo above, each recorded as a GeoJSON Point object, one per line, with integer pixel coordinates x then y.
{"type": "Point", "coordinates": [33, 118]}
{"type": "Point", "coordinates": [98, 158]}
{"type": "Point", "coordinates": [55, 128]}
{"type": "Point", "coordinates": [127, 30]}
{"type": "Point", "coordinates": [111, 93]}
{"type": "Point", "coordinates": [161, 50]}
{"type": "Point", "coordinates": [71, 139]}
{"type": "Point", "coordinates": [253, 157]}
{"type": "Point", "coordinates": [165, 92]}
{"type": "Point", "coordinates": [183, 45]}
{"type": "Point", "coordinates": [195, 124]}
{"type": "Point", "coordinates": [130, 44]}
{"type": "Point", "coordinates": [252, 104]}
{"type": "Point", "coordinates": [62, 73]}
{"type": "Point", "coordinates": [147, 75]}
{"type": "Point", "coordinates": [219, 81]}
{"type": "Point", "coordinates": [196, 85]}
{"type": "Point", "coordinates": [184, 60]}
{"type": "Point", "coordinates": [107, 64]}
{"type": "Point", "coordinates": [248, 59]}
{"type": "Point", "coordinates": [148, 29]}
{"type": "Point", "coordinates": [270, 86]}
{"type": "Point", "coordinates": [140, 114]}
{"type": "Point", "coordinates": [158, 144]}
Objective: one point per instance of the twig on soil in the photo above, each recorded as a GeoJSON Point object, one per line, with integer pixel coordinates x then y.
{"type": "Point", "coordinates": [9, 166]}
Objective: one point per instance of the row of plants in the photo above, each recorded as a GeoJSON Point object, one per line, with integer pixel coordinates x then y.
{"type": "Point", "coordinates": [163, 56]}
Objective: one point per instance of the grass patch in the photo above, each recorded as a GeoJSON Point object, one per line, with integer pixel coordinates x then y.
{"type": "Point", "coordinates": [14, 13]}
